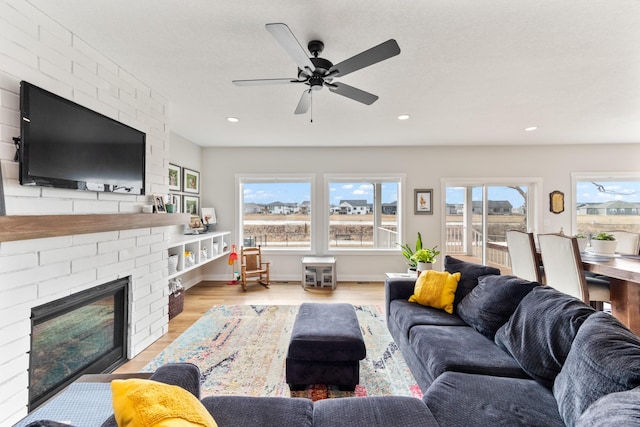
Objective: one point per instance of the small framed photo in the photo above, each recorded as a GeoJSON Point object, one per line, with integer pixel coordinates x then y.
{"type": "Point", "coordinates": [190, 181]}
{"type": "Point", "coordinates": [423, 202]}
{"type": "Point", "coordinates": [191, 205]}
{"type": "Point", "coordinates": [158, 203]}
{"type": "Point", "coordinates": [209, 216]}
{"type": "Point", "coordinates": [174, 177]}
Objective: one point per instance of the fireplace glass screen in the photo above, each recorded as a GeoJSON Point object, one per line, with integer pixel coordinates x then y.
{"type": "Point", "coordinates": [83, 333]}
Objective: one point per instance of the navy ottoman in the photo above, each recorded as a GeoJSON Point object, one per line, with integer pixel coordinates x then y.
{"type": "Point", "coordinates": [326, 347]}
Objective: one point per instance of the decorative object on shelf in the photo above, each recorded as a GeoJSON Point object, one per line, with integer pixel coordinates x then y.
{"type": "Point", "coordinates": [604, 244]}
{"type": "Point", "coordinates": [203, 254]}
{"type": "Point", "coordinates": [556, 202]}
{"type": "Point", "coordinates": [158, 203]}
{"type": "Point", "coordinates": [148, 208]}
{"type": "Point", "coordinates": [174, 177]}
{"type": "Point", "coordinates": [423, 202]}
{"type": "Point", "coordinates": [189, 259]}
{"type": "Point", "coordinates": [190, 181]}
{"type": "Point", "coordinates": [170, 207]}
{"type": "Point", "coordinates": [176, 201]}
{"type": "Point", "coordinates": [191, 204]}
{"type": "Point", "coordinates": [209, 218]}
{"type": "Point", "coordinates": [172, 264]}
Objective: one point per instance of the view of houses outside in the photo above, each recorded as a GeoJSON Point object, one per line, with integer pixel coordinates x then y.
{"type": "Point", "coordinates": [277, 215]}
{"type": "Point", "coordinates": [607, 206]}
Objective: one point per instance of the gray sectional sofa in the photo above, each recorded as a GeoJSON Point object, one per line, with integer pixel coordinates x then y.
{"type": "Point", "coordinates": [516, 353]}
{"type": "Point", "coordinates": [513, 353]}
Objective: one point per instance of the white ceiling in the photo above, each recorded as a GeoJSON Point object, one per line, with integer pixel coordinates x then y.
{"type": "Point", "coordinates": [471, 72]}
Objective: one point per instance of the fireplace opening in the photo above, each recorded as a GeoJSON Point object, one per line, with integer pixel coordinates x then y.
{"type": "Point", "coordinates": [84, 333]}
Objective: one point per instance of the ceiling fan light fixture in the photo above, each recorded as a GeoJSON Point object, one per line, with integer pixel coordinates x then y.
{"type": "Point", "coordinates": [233, 119]}
{"type": "Point", "coordinates": [404, 117]}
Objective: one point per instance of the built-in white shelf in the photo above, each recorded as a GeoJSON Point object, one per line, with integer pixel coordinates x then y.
{"type": "Point", "coordinates": [204, 248]}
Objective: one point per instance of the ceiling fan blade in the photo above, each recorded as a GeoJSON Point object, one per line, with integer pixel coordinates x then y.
{"type": "Point", "coordinates": [353, 93]}
{"type": "Point", "coordinates": [304, 103]}
{"type": "Point", "coordinates": [289, 43]}
{"type": "Point", "coordinates": [372, 56]}
{"type": "Point", "coordinates": [263, 82]}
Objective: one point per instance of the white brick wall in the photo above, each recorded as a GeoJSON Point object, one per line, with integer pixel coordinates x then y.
{"type": "Point", "coordinates": [33, 272]}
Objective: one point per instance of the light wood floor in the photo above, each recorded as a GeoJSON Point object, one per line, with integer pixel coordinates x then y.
{"type": "Point", "coordinates": [204, 295]}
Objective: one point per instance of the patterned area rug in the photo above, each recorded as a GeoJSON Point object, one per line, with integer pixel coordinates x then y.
{"type": "Point", "coordinates": [241, 350]}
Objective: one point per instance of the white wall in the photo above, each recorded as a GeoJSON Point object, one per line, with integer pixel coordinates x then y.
{"type": "Point", "coordinates": [424, 168]}
{"type": "Point", "coordinates": [34, 272]}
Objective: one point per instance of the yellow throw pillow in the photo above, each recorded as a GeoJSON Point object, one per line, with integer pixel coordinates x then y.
{"type": "Point", "coordinates": [139, 402]}
{"type": "Point", "coordinates": [436, 289]}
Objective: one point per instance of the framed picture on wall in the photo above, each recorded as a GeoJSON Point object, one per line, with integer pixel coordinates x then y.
{"type": "Point", "coordinates": [423, 202]}
{"type": "Point", "coordinates": [174, 177]}
{"type": "Point", "coordinates": [191, 205]}
{"type": "Point", "coordinates": [190, 181]}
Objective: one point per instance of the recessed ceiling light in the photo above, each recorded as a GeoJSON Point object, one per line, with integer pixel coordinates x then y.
{"type": "Point", "coordinates": [404, 117]}
{"type": "Point", "coordinates": [531, 128]}
{"type": "Point", "coordinates": [233, 119]}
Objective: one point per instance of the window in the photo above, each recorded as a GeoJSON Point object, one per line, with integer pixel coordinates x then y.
{"type": "Point", "coordinates": [364, 212]}
{"type": "Point", "coordinates": [606, 202]}
{"type": "Point", "coordinates": [276, 212]}
{"type": "Point", "coordinates": [478, 214]}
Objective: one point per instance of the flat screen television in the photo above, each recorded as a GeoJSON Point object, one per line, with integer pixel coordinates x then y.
{"type": "Point", "coordinates": [66, 145]}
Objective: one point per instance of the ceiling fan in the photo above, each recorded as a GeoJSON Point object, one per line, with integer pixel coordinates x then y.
{"type": "Point", "coordinates": [317, 72]}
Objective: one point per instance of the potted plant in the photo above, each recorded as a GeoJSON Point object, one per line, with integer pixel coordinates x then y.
{"type": "Point", "coordinates": [425, 258]}
{"type": "Point", "coordinates": [408, 252]}
{"type": "Point", "coordinates": [604, 244]}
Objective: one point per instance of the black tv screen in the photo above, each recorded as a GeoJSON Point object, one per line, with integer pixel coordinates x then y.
{"type": "Point", "coordinates": [66, 145]}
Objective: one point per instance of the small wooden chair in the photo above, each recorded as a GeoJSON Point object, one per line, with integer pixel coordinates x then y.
{"type": "Point", "coordinates": [252, 267]}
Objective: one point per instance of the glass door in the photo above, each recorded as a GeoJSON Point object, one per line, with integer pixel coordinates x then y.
{"type": "Point", "coordinates": [478, 216]}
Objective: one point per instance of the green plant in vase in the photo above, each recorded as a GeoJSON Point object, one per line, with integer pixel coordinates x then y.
{"type": "Point", "coordinates": [604, 243]}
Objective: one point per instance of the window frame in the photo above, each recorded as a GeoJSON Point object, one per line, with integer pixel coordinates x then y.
{"type": "Point", "coordinates": [534, 201]}
{"type": "Point", "coordinates": [590, 176]}
{"type": "Point", "coordinates": [368, 178]}
{"type": "Point", "coordinates": [268, 178]}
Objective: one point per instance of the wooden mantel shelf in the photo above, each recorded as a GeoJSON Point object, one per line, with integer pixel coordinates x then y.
{"type": "Point", "coordinates": [25, 227]}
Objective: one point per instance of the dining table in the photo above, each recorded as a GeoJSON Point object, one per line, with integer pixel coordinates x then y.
{"type": "Point", "coordinates": [624, 287]}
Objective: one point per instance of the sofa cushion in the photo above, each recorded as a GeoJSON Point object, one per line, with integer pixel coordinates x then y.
{"type": "Point", "coordinates": [540, 331]}
{"type": "Point", "coordinates": [490, 304]}
{"type": "Point", "coordinates": [619, 409]}
{"type": "Point", "coordinates": [460, 399]}
{"type": "Point", "coordinates": [233, 411]}
{"type": "Point", "coordinates": [469, 273]}
{"type": "Point", "coordinates": [436, 289]}
{"type": "Point", "coordinates": [372, 411]}
{"type": "Point", "coordinates": [460, 349]}
{"type": "Point", "coordinates": [407, 314]}
{"type": "Point", "coordinates": [604, 358]}
{"type": "Point", "coordinates": [141, 402]}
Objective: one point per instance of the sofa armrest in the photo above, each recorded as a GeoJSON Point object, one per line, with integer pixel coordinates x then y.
{"type": "Point", "coordinates": [185, 375]}
{"type": "Point", "coordinates": [398, 288]}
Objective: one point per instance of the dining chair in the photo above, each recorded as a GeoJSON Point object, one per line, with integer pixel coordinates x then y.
{"type": "Point", "coordinates": [522, 252]}
{"type": "Point", "coordinates": [564, 272]}
{"type": "Point", "coordinates": [628, 242]}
